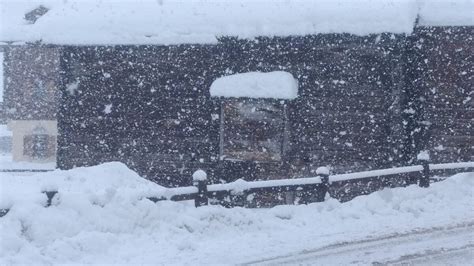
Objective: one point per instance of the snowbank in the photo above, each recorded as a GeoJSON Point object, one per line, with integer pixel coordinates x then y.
{"type": "Point", "coordinates": [276, 85]}
{"type": "Point", "coordinates": [4, 131]}
{"type": "Point", "coordinates": [96, 183]}
{"type": "Point", "coordinates": [201, 21]}
{"type": "Point", "coordinates": [6, 162]}
{"type": "Point", "coordinates": [98, 218]}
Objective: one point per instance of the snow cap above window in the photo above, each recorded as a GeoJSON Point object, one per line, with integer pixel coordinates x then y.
{"type": "Point", "coordinates": [273, 85]}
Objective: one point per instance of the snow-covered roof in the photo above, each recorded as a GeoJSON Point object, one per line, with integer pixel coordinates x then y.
{"type": "Point", "coordinates": [446, 12]}
{"type": "Point", "coordinates": [276, 85]}
{"type": "Point", "coordinates": [89, 22]}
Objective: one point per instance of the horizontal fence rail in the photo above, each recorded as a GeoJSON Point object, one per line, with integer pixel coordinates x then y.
{"type": "Point", "coordinates": [447, 166]}
{"type": "Point", "coordinates": [321, 181]}
{"type": "Point", "coordinates": [241, 185]}
{"type": "Point", "coordinates": [375, 173]}
{"type": "Point", "coordinates": [310, 189]}
{"type": "Point", "coordinates": [25, 170]}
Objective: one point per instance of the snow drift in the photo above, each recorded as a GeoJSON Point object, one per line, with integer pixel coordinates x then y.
{"type": "Point", "coordinates": [100, 216]}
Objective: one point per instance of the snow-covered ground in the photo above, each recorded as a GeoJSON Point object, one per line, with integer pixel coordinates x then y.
{"type": "Point", "coordinates": [100, 216]}
{"type": "Point", "coordinates": [434, 246]}
{"type": "Point", "coordinates": [7, 163]}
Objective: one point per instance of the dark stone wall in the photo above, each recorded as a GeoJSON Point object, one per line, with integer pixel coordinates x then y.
{"type": "Point", "coordinates": [31, 82]}
{"type": "Point", "coordinates": [3, 118]}
{"type": "Point", "coordinates": [160, 117]}
{"type": "Point", "coordinates": [364, 102]}
{"type": "Point", "coordinates": [347, 114]}
{"type": "Point", "coordinates": [445, 79]}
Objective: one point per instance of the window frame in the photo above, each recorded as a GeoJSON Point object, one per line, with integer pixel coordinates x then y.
{"type": "Point", "coordinates": [32, 142]}
{"type": "Point", "coordinates": [284, 142]}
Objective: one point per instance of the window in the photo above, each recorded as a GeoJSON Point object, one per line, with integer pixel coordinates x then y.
{"type": "Point", "coordinates": [39, 145]}
{"type": "Point", "coordinates": [253, 129]}
{"type": "Point", "coordinates": [254, 115]}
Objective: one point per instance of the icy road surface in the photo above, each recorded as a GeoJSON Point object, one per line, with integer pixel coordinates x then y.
{"type": "Point", "coordinates": [435, 246]}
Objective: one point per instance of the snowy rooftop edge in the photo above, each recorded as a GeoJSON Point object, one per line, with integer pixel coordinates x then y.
{"type": "Point", "coordinates": [273, 85]}
{"type": "Point", "coordinates": [87, 22]}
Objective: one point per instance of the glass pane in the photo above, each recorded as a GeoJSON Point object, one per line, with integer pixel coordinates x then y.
{"type": "Point", "coordinates": [253, 130]}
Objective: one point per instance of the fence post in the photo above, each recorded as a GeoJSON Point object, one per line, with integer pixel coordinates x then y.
{"type": "Point", "coordinates": [323, 173]}
{"type": "Point", "coordinates": [50, 195]}
{"type": "Point", "coordinates": [424, 159]}
{"type": "Point", "coordinates": [4, 212]}
{"type": "Point", "coordinates": [200, 181]}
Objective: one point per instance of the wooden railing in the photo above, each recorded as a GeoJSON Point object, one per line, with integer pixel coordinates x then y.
{"type": "Point", "coordinates": [201, 192]}
{"type": "Point", "coordinates": [25, 170]}
{"type": "Point", "coordinates": [309, 189]}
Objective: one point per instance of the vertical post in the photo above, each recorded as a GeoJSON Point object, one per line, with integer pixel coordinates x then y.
{"type": "Point", "coordinates": [424, 159]}
{"type": "Point", "coordinates": [50, 195]}
{"type": "Point", "coordinates": [323, 173]}
{"type": "Point", "coordinates": [299, 196]}
{"type": "Point", "coordinates": [221, 131]}
{"type": "Point", "coordinates": [3, 212]}
{"type": "Point", "coordinates": [200, 181]}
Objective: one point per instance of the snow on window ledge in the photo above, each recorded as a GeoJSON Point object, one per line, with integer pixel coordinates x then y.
{"type": "Point", "coordinates": [273, 85]}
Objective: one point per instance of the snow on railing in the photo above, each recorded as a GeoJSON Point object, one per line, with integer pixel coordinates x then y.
{"type": "Point", "coordinates": [25, 170]}
{"type": "Point", "coordinates": [323, 179]}
{"type": "Point", "coordinates": [374, 173]}
{"type": "Point", "coordinates": [241, 185]}
{"type": "Point", "coordinates": [447, 166]}
{"type": "Point", "coordinates": [200, 192]}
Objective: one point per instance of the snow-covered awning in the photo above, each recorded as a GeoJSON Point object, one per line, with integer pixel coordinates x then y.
{"type": "Point", "coordinates": [273, 85]}
{"type": "Point", "coordinates": [108, 22]}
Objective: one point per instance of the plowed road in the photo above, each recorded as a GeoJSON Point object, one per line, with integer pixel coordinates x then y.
{"type": "Point", "coordinates": [434, 246]}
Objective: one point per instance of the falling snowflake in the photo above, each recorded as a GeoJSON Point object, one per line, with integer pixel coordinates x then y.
{"type": "Point", "coordinates": [108, 108]}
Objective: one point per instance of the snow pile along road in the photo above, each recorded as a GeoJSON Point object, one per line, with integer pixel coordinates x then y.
{"type": "Point", "coordinates": [99, 216]}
